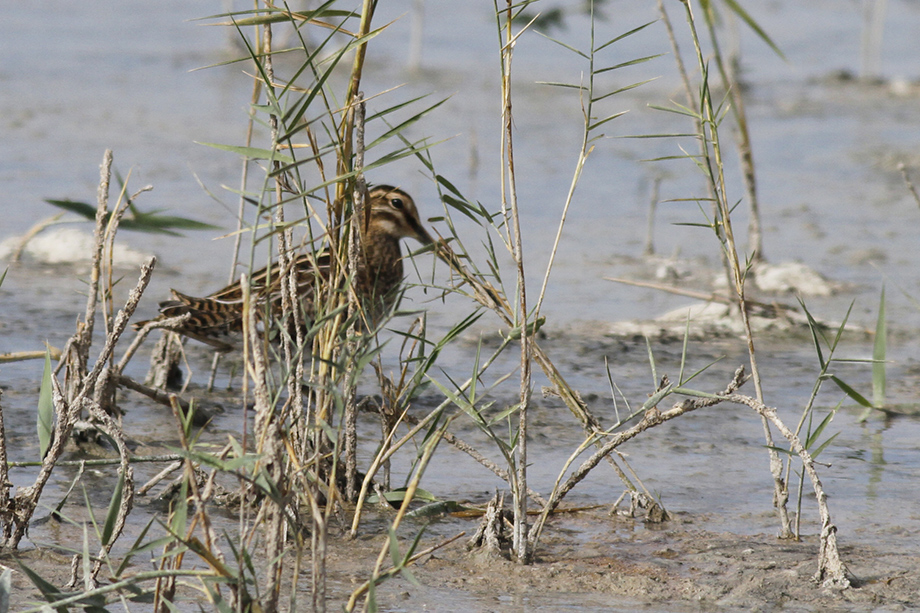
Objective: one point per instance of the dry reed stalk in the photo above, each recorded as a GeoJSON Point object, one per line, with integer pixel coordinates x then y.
{"type": "Point", "coordinates": [269, 449]}
{"type": "Point", "coordinates": [512, 213]}
{"type": "Point", "coordinates": [709, 136]}
{"type": "Point", "coordinates": [77, 351]}
{"type": "Point", "coordinates": [358, 225]}
{"type": "Point", "coordinates": [6, 515]}
{"type": "Point", "coordinates": [267, 421]}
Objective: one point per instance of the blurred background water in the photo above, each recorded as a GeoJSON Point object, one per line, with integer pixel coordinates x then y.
{"type": "Point", "coordinates": [78, 78]}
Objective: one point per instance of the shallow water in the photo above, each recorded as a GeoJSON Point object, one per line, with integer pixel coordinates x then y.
{"type": "Point", "coordinates": [76, 80]}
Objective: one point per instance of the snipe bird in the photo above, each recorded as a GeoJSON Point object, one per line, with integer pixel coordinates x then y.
{"type": "Point", "coordinates": [392, 216]}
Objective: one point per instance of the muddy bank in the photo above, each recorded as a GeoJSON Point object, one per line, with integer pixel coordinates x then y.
{"type": "Point", "coordinates": [673, 568]}
{"type": "Point", "coordinates": [592, 562]}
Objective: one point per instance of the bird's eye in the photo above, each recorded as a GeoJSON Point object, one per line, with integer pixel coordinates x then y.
{"type": "Point", "coordinates": [397, 203]}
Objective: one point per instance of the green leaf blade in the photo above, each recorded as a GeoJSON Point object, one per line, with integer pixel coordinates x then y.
{"type": "Point", "coordinates": [111, 517]}
{"type": "Point", "coordinates": [879, 351]}
{"type": "Point", "coordinates": [45, 409]}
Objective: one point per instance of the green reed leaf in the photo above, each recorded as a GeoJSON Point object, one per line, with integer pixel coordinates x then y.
{"type": "Point", "coordinates": [49, 592]}
{"type": "Point", "coordinates": [141, 221]}
{"type": "Point", "coordinates": [253, 153]}
{"type": "Point", "coordinates": [624, 35]}
{"type": "Point", "coordinates": [814, 436]}
{"type": "Point", "coordinates": [45, 409]}
{"type": "Point", "coordinates": [852, 393]}
{"type": "Point", "coordinates": [823, 445]}
{"type": "Point", "coordinates": [108, 529]}
{"type": "Point", "coordinates": [746, 18]}
{"type": "Point", "coordinates": [879, 351]}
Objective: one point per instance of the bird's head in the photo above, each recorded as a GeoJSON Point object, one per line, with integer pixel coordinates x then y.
{"type": "Point", "coordinates": [393, 214]}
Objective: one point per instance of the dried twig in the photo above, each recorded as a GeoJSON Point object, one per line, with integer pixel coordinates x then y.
{"type": "Point", "coordinates": [92, 391]}
{"type": "Point", "coordinates": [358, 227]}
{"type": "Point", "coordinates": [831, 570]}
{"type": "Point", "coordinates": [5, 484]}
